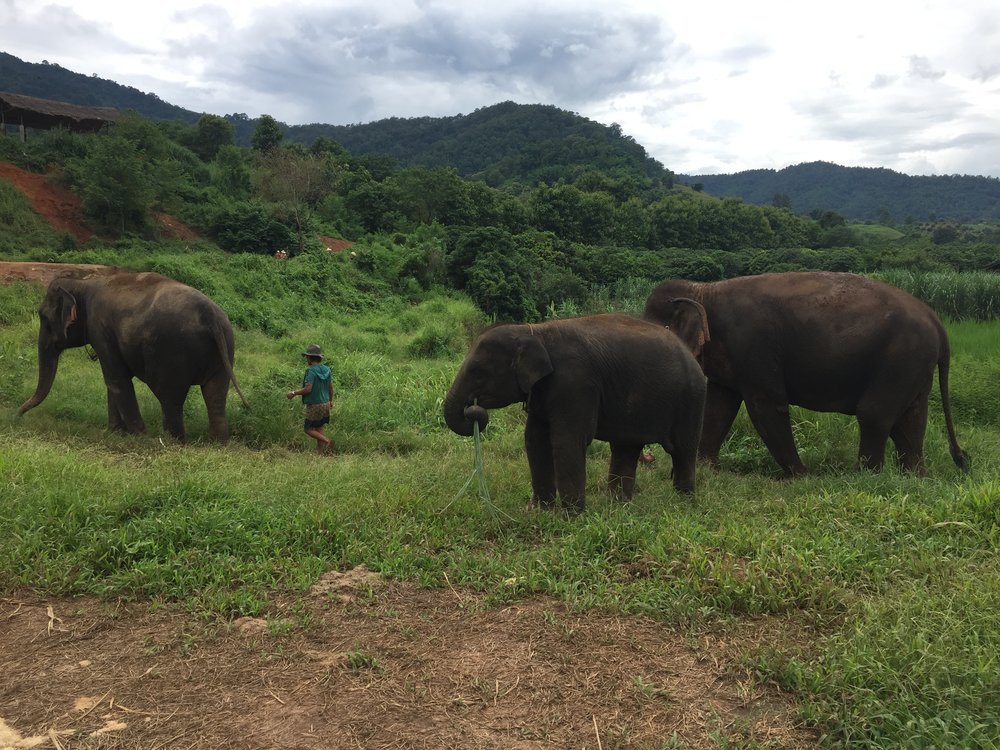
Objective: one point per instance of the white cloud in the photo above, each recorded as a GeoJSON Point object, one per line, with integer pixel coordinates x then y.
{"type": "Point", "coordinates": [705, 87]}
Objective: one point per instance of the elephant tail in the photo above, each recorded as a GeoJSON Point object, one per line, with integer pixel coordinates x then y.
{"type": "Point", "coordinates": [957, 454]}
{"type": "Point", "coordinates": [223, 345]}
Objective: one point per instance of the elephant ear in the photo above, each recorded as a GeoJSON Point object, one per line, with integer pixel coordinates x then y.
{"type": "Point", "coordinates": [531, 362]}
{"type": "Point", "coordinates": [67, 308]}
{"type": "Point", "coordinates": [690, 324]}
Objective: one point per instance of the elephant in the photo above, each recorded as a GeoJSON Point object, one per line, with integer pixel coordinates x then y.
{"type": "Point", "coordinates": [825, 341]}
{"type": "Point", "coordinates": [609, 377]}
{"type": "Point", "coordinates": [145, 326]}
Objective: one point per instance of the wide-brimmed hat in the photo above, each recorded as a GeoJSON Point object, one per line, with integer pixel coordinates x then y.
{"type": "Point", "coordinates": [313, 351]}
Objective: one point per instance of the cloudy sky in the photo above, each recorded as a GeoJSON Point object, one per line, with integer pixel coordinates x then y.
{"type": "Point", "coordinates": [705, 87]}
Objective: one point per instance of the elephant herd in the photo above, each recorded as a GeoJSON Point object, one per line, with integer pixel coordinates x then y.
{"type": "Point", "coordinates": [675, 376]}
{"type": "Point", "coordinates": [832, 342]}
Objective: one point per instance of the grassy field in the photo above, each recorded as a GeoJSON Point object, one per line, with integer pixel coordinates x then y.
{"type": "Point", "coordinates": [895, 580]}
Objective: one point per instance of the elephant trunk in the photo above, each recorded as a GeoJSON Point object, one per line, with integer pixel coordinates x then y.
{"type": "Point", "coordinates": [48, 363]}
{"type": "Point", "coordinates": [460, 416]}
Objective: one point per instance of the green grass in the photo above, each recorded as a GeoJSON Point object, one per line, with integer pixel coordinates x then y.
{"type": "Point", "coordinates": [892, 580]}
{"type": "Point", "coordinates": [959, 296]}
{"type": "Point", "coordinates": [22, 227]}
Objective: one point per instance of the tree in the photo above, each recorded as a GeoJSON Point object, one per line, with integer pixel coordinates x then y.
{"type": "Point", "coordinates": [211, 134]}
{"type": "Point", "coordinates": [248, 227]}
{"type": "Point", "coordinates": [499, 285]}
{"type": "Point", "coordinates": [116, 188]}
{"type": "Point", "coordinates": [231, 173]}
{"type": "Point", "coordinates": [267, 135]}
{"type": "Point", "coordinates": [430, 194]}
{"type": "Point", "coordinates": [297, 181]}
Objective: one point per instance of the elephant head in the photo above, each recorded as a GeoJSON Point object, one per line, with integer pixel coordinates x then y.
{"type": "Point", "coordinates": [62, 325]}
{"type": "Point", "coordinates": [501, 368]}
{"type": "Point", "coordinates": [685, 317]}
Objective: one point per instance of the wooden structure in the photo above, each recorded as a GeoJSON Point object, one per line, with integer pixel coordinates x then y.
{"type": "Point", "coordinates": [43, 114]}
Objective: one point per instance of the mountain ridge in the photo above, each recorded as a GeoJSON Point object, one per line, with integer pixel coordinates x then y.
{"type": "Point", "coordinates": [863, 193]}
{"type": "Point", "coordinates": [530, 143]}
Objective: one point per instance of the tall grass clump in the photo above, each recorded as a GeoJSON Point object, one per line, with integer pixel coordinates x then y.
{"type": "Point", "coordinates": [627, 295]}
{"type": "Point", "coordinates": [22, 227]}
{"type": "Point", "coordinates": [967, 295]}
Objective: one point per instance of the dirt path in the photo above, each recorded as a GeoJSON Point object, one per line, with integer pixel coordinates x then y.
{"type": "Point", "coordinates": [361, 663]}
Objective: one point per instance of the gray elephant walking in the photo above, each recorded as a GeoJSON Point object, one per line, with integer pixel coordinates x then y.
{"type": "Point", "coordinates": [146, 326]}
{"type": "Point", "coordinates": [832, 342]}
{"type": "Point", "coordinates": [606, 377]}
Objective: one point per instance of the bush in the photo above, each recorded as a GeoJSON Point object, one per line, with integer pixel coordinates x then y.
{"type": "Point", "coordinates": [115, 185]}
{"type": "Point", "coordinates": [248, 227]}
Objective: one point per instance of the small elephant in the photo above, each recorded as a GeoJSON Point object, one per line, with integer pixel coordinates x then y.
{"type": "Point", "coordinates": [607, 377]}
{"type": "Point", "coordinates": [146, 326]}
{"type": "Point", "coordinates": [833, 342]}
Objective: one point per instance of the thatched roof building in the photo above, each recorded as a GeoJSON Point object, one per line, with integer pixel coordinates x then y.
{"type": "Point", "coordinates": [31, 112]}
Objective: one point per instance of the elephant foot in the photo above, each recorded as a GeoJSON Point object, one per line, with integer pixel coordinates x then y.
{"type": "Point", "coordinates": [618, 495]}
{"type": "Point", "coordinates": [121, 429]}
{"type": "Point", "coordinates": [536, 503]}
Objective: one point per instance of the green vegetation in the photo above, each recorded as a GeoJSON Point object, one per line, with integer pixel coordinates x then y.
{"type": "Point", "coordinates": [21, 224]}
{"type": "Point", "coordinates": [891, 581]}
{"type": "Point", "coordinates": [862, 192]}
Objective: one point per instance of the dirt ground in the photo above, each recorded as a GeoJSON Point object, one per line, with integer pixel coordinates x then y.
{"type": "Point", "coordinates": [361, 663]}
{"type": "Point", "coordinates": [61, 207]}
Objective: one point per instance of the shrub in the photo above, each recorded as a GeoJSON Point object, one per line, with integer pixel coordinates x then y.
{"type": "Point", "coordinates": [248, 227]}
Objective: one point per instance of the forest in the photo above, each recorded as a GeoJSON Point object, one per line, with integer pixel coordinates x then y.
{"type": "Point", "coordinates": [865, 193]}
{"type": "Point", "coordinates": [518, 146]}
{"type": "Point", "coordinates": [518, 250]}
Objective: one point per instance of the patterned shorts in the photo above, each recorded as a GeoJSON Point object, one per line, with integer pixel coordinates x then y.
{"type": "Point", "coordinates": [317, 415]}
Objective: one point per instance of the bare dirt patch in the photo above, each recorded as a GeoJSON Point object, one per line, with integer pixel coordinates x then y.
{"type": "Point", "coordinates": [60, 207]}
{"type": "Point", "coordinates": [391, 666]}
{"type": "Point", "coordinates": [57, 205]}
{"type": "Point", "coordinates": [43, 273]}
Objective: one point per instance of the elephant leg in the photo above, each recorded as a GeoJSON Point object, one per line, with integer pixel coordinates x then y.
{"type": "Point", "coordinates": [538, 445]}
{"type": "Point", "coordinates": [569, 454]}
{"type": "Point", "coordinates": [772, 421]}
{"type": "Point", "coordinates": [876, 413]}
{"type": "Point", "coordinates": [621, 474]}
{"type": "Point", "coordinates": [721, 407]}
{"type": "Point", "coordinates": [172, 397]}
{"type": "Point", "coordinates": [116, 423]}
{"type": "Point", "coordinates": [908, 436]}
{"type": "Point", "coordinates": [123, 407]}
{"type": "Point", "coordinates": [172, 409]}
{"type": "Point", "coordinates": [685, 460]}
{"type": "Point", "coordinates": [871, 447]}
{"type": "Point", "coordinates": [215, 392]}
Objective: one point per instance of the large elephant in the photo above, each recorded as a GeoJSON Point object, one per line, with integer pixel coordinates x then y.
{"type": "Point", "coordinates": [146, 326]}
{"type": "Point", "coordinates": [832, 342]}
{"type": "Point", "coordinates": [607, 377]}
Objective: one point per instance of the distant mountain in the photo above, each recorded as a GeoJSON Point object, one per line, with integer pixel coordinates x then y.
{"type": "Point", "coordinates": [527, 142]}
{"type": "Point", "coordinates": [51, 81]}
{"type": "Point", "coordinates": [861, 193]}
{"type": "Point", "coordinates": [500, 143]}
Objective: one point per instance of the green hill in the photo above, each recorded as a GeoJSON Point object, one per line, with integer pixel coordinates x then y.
{"type": "Point", "coordinates": [51, 81]}
{"type": "Point", "coordinates": [525, 144]}
{"type": "Point", "coordinates": [862, 193]}
{"type": "Point", "coordinates": [529, 142]}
